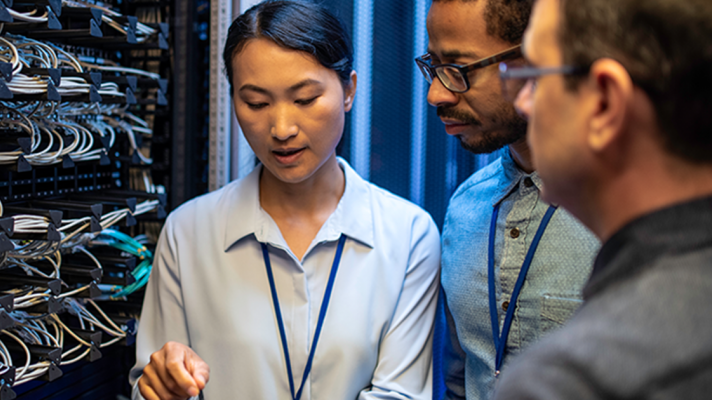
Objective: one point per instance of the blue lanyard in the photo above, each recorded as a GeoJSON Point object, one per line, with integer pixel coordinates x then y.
{"type": "Point", "coordinates": [319, 324]}
{"type": "Point", "coordinates": [500, 342]}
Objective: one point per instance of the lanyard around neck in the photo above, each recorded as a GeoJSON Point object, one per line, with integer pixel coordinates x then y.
{"type": "Point", "coordinates": [500, 342]}
{"type": "Point", "coordinates": [320, 321]}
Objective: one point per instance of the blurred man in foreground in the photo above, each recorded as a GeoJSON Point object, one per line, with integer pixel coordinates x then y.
{"type": "Point", "coordinates": [618, 95]}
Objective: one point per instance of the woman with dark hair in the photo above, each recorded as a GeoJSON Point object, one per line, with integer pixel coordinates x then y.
{"type": "Point", "coordinates": [250, 278]}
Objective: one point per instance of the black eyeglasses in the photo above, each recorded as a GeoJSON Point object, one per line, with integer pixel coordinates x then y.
{"type": "Point", "coordinates": [453, 76]}
{"type": "Point", "coordinates": [515, 78]}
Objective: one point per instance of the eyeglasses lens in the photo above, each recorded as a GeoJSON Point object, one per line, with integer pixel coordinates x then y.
{"type": "Point", "coordinates": [452, 79]}
{"type": "Point", "coordinates": [425, 70]}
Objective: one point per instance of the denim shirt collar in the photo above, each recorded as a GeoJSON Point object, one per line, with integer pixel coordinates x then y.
{"type": "Point", "coordinates": [513, 175]}
{"type": "Point", "coordinates": [352, 217]}
{"type": "Point", "coordinates": [675, 229]}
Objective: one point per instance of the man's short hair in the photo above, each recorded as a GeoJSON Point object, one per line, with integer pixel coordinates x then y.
{"type": "Point", "coordinates": [666, 46]}
{"type": "Point", "coordinates": [505, 19]}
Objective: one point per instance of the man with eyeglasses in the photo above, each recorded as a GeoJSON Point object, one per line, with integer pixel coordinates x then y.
{"type": "Point", "coordinates": [618, 96]}
{"type": "Point", "coordinates": [513, 265]}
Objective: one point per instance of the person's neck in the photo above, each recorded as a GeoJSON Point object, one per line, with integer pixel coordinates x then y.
{"type": "Point", "coordinates": [317, 195]}
{"type": "Point", "coordinates": [650, 190]}
{"type": "Point", "coordinates": [301, 209]}
{"type": "Point", "coordinates": [522, 155]}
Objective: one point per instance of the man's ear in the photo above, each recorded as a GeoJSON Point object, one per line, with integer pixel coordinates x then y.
{"type": "Point", "coordinates": [614, 96]}
{"type": "Point", "coordinates": [350, 92]}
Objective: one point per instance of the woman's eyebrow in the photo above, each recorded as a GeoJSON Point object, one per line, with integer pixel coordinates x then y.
{"type": "Point", "coordinates": [293, 88]}
{"type": "Point", "coordinates": [303, 84]}
{"type": "Point", "coordinates": [253, 88]}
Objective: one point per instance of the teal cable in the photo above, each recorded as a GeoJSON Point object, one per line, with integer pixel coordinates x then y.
{"type": "Point", "coordinates": [142, 272]}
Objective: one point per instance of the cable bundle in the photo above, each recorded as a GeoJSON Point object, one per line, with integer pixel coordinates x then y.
{"type": "Point", "coordinates": [127, 244]}
{"type": "Point", "coordinates": [30, 16]}
{"type": "Point", "coordinates": [25, 53]}
{"type": "Point", "coordinates": [50, 127]}
{"type": "Point", "coordinates": [74, 125]}
{"type": "Point", "coordinates": [63, 339]}
{"type": "Point", "coordinates": [70, 229]}
{"type": "Point", "coordinates": [110, 17]}
{"type": "Point", "coordinates": [28, 253]}
{"type": "Point", "coordinates": [53, 332]}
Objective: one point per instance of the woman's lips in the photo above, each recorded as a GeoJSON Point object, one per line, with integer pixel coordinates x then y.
{"type": "Point", "coordinates": [287, 156]}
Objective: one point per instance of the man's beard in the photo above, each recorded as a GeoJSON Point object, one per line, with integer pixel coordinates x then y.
{"type": "Point", "coordinates": [510, 127]}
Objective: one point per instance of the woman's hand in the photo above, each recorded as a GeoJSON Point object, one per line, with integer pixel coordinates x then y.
{"type": "Point", "coordinates": [175, 372]}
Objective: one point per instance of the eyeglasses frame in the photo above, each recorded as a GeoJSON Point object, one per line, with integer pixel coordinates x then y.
{"type": "Point", "coordinates": [463, 70]}
{"type": "Point", "coordinates": [507, 72]}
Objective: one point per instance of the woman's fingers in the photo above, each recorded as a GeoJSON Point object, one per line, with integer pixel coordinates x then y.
{"type": "Point", "coordinates": [174, 372]}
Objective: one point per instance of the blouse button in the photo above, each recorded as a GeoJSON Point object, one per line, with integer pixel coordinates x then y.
{"type": "Point", "coordinates": [514, 233]}
{"type": "Point", "coordinates": [505, 305]}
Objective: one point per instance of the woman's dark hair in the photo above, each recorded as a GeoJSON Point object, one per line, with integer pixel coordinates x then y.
{"type": "Point", "coordinates": [295, 25]}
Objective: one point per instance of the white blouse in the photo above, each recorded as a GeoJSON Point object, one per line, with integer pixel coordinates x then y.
{"type": "Point", "coordinates": [209, 290]}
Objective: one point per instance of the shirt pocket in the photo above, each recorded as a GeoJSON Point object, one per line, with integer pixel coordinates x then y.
{"type": "Point", "coordinates": [555, 311]}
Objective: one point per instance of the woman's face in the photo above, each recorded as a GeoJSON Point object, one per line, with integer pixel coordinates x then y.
{"type": "Point", "coordinates": [290, 108]}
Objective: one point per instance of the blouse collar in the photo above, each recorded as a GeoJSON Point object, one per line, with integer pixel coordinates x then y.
{"type": "Point", "coordinates": [353, 216]}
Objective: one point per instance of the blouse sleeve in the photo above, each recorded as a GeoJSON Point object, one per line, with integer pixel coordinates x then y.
{"type": "Point", "coordinates": [162, 316]}
{"type": "Point", "coordinates": [404, 369]}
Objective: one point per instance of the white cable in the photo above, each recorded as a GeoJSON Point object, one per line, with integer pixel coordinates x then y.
{"type": "Point", "coordinates": [126, 70]}
{"type": "Point", "coordinates": [28, 16]}
{"type": "Point", "coordinates": [15, 59]}
{"type": "Point", "coordinates": [117, 331]}
{"type": "Point", "coordinates": [73, 292]}
{"type": "Point", "coordinates": [72, 361]}
{"type": "Point", "coordinates": [43, 332]}
{"type": "Point", "coordinates": [19, 372]}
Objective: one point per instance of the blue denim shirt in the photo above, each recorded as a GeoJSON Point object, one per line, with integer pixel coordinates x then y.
{"type": "Point", "coordinates": [552, 290]}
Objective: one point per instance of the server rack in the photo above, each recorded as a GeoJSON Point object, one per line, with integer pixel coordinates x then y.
{"type": "Point", "coordinates": [103, 131]}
